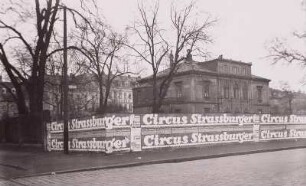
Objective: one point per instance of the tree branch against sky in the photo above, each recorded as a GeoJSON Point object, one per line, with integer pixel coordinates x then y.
{"type": "Point", "coordinates": [31, 27]}
{"type": "Point", "coordinates": [102, 51]}
{"type": "Point", "coordinates": [152, 45]}
{"type": "Point", "coordinates": [290, 50]}
{"type": "Point", "coordinates": [280, 51]}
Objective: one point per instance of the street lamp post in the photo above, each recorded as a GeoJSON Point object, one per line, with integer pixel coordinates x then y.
{"type": "Point", "coordinates": [65, 69]}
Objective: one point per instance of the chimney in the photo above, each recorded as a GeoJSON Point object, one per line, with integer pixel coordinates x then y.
{"type": "Point", "coordinates": [220, 56]}
{"type": "Point", "coordinates": [189, 55]}
{"type": "Point", "coordinates": [171, 59]}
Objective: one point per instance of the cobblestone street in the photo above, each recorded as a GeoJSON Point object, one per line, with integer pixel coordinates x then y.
{"type": "Point", "coordinates": [279, 168]}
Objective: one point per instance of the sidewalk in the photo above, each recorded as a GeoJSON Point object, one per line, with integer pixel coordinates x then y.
{"type": "Point", "coordinates": [26, 161]}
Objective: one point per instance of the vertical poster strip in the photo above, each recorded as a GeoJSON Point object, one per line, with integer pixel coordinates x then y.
{"type": "Point", "coordinates": [135, 134]}
{"type": "Point", "coordinates": [135, 139]}
{"type": "Point", "coordinates": [48, 137]}
{"type": "Point", "coordinates": [256, 132]}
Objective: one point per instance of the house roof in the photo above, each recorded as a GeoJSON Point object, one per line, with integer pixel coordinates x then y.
{"type": "Point", "coordinates": [184, 67]}
{"type": "Point", "coordinates": [195, 66]}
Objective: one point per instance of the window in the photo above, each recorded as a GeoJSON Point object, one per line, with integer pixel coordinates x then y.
{"type": "Point", "coordinates": [226, 91]}
{"type": "Point", "coordinates": [3, 90]}
{"type": "Point", "coordinates": [259, 94]}
{"type": "Point", "coordinates": [236, 91]}
{"type": "Point", "coordinates": [206, 110]}
{"type": "Point", "coordinates": [245, 91]}
{"type": "Point", "coordinates": [138, 94]}
{"type": "Point", "coordinates": [179, 89]}
{"type": "Point", "coordinates": [225, 68]}
{"type": "Point", "coordinates": [205, 90]}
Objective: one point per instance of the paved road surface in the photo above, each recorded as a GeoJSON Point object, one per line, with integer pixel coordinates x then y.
{"type": "Point", "coordinates": [280, 168]}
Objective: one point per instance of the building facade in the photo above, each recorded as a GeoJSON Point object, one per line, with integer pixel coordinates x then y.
{"type": "Point", "coordinates": [216, 86]}
{"type": "Point", "coordinates": [8, 107]}
{"type": "Point", "coordinates": [84, 95]}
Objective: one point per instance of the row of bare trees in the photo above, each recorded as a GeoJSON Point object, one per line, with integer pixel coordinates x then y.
{"type": "Point", "coordinates": [28, 56]}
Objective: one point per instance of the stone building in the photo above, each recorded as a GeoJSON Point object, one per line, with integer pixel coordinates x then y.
{"type": "Point", "coordinates": [84, 95]}
{"type": "Point", "coordinates": [216, 86]}
{"type": "Point", "coordinates": [8, 107]}
{"type": "Point", "coordinates": [121, 92]}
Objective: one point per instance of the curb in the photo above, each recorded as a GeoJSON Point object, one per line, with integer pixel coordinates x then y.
{"type": "Point", "coordinates": [175, 160]}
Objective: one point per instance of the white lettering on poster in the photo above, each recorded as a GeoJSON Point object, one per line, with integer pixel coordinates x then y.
{"type": "Point", "coordinates": [199, 119]}
{"type": "Point", "coordinates": [105, 145]}
{"type": "Point", "coordinates": [156, 140]}
{"type": "Point", "coordinates": [155, 119]}
{"type": "Point", "coordinates": [94, 123]}
{"type": "Point", "coordinates": [293, 133]}
{"type": "Point", "coordinates": [267, 134]}
{"type": "Point", "coordinates": [267, 118]}
{"type": "Point", "coordinates": [297, 119]}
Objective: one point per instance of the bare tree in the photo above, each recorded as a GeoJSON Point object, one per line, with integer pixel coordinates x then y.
{"type": "Point", "coordinates": [101, 47]}
{"type": "Point", "coordinates": [288, 95]}
{"type": "Point", "coordinates": [37, 51]}
{"type": "Point", "coordinates": [152, 47]}
{"type": "Point", "coordinates": [280, 51]}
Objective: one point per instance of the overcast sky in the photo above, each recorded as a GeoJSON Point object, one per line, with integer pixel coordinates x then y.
{"type": "Point", "coordinates": [244, 28]}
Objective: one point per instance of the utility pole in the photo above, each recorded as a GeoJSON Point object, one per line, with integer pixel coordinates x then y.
{"type": "Point", "coordinates": [65, 69]}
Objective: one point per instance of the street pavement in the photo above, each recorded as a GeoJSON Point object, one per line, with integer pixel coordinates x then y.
{"type": "Point", "coordinates": [279, 168]}
{"type": "Point", "coordinates": [29, 163]}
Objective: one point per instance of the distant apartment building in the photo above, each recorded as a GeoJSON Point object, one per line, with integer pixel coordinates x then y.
{"type": "Point", "coordinates": [8, 107]}
{"type": "Point", "coordinates": [84, 95]}
{"type": "Point", "coordinates": [122, 93]}
{"type": "Point", "coordinates": [216, 86]}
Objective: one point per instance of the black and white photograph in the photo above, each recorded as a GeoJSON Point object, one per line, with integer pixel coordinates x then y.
{"type": "Point", "coordinates": [153, 92]}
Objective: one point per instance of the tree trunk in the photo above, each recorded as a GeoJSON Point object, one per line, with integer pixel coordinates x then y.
{"type": "Point", "coordinates": [101, 100]}
{"type": "Point", "coordinates": [155, 106]}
